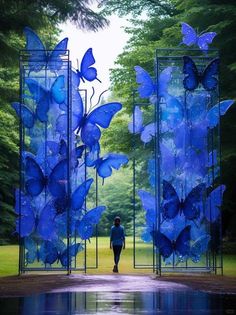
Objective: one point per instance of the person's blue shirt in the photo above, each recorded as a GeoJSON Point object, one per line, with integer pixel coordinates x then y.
{"type": "Point", "coordinates": [117, 235]}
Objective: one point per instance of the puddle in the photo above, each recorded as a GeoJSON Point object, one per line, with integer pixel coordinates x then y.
{"type": "Point", "coordinates": [173, 302]}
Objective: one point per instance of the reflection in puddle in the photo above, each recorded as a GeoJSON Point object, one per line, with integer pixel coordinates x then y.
{"type": "Point", "coordinates": [72, 303]}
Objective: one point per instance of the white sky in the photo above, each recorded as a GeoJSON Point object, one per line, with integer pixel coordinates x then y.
{"type": "Point", "coordinates": [106, 44]}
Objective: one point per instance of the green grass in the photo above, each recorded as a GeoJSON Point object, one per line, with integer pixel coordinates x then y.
{"type": "Point", "coordinates": [9, 258]}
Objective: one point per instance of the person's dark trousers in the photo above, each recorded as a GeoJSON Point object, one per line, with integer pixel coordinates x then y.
{"type": "Point", "coordinates": [117, 250]}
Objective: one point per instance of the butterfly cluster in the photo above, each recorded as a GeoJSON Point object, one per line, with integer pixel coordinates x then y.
{"type": "Point", "coordinates": [185, 194]}
{"type": "Point", "coordinates": [60, 154]}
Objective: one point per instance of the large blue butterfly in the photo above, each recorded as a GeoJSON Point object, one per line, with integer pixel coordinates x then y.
{"type": "Point", "coordinates": [87, 125]}
{"type": "Point", "coordinates": [190, 37]}
{"type": "Point", "coordinates": [136, 126]}
{"type": "Point", "coordinates": [213, 115]}
{"type": "Point", "coordinates": [29, 222]}
{"type": "Point", "coordinates": [39, 56]}
{"type": "Point", "coordinates": [207, 77]}
{"type": "Point", "coordinates": [86, 71]}
{"type": "Point", "coordinates": [146, 85]}
{"type": "Point", "coordinates": [36, 181]}
{"type": "Point", "coordinates": [180, 246]}
{"type": "Point", "coordinates": [213, 203]}
{"type": "Point", "coordinates": [105, 164]}
{"type": "Point", "coordinates": [43, 99]}
{"type": "Point", "coordinates": [172, 205]}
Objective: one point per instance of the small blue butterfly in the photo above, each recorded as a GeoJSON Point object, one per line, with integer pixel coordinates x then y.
{"type": "Point", "coordinates": [193, 77]}
{"type": "Point", "coordinates": [172, 205]}
{"type": "Point", "coordinates": [213, 115]}
{"type": "Point", "coordinates": [207, 77]}
{"type": "Point", "coordinates": [86, 71]}
{"type": "Point", "coordinates": [39, 57]}
{"type": "Point", "coordinates": [36, 181]}
{"type": "Point", "coordinates": [43, 99]}
{"type": "Point", "coordinates": [190, 37]}
{"type": "Point", "coordinates": [136, 126]}
{"type": "Point", "coordinates": [180, 246]}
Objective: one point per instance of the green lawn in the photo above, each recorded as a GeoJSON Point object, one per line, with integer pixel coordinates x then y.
{"type": "Point", "coordinates": [9, 258]}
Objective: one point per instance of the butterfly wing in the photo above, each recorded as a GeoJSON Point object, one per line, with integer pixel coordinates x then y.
{"type": "Point", "coordinates": [149, 205]}
{"type": "Point", "coordinates": [31, 250]}
{"type": "Point", "coordinates": [189, 34]}
{"type": "Point", "coordinates": [41, 97]}
{"type": "Point", "coordinates": [146, 86]}
{"type": "Point", "coordinates": [72, 251]}
{"type": "Point", "coordinates": [79, 195]}
{"type": "Point", "coordinates": [209, 81]}
{"type": "Point", "coordinates": [101, 116]}
{"type": "Point", "coordinates": [25, 223]}
{"type": "Point", "coordinates": [214, 113]}
{"type": "Point", "coordinates": [148, 133]}
{"type": "Point", "coordinates": [110, 161]}
{"type": "Point", "coordinates": [182, 244]}
{"type": "Point", "coordinates": [171, 201]}
{"type": "Point", "coordinates": [199, 247]}
{"type": "Point", "coordinates": [191, 79]}
{"type": "Point", "coordinates": [36, 49]}
{"type": "Point", "coordinates": [86, 71]}
{"type": "Point", "coordinates": [163, 81]}
{"type": "Point", "coordinates": [58, 91]}
{"type": "Point", "coordinates": [55, 61]}
{"type": "Point", "coordinates": [205, 39]}
{"type": "Point", "coordinates": [163, 243]}
{"type": "Point", "coordinates": [26, 116]}
{"type": "Point", "coordinates": [48, 253]}
{"type": "Point", "coordinates": [136, 123]}
{"type": "Point", "coordinates": [57, 181]}
{"type": "Point", "coordinates": [35, 180]}
{"type": "Point", "coordinates": [91, 218]}
{"type": "Point", "coordinates": [191, 208]}
{"type": "Point", "coordinates": [46, 224]}
{"type": "Point", "coordinates": [213, 203]}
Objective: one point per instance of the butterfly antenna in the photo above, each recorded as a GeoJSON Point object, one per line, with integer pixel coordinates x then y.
{"type": "Point", "coordinates": [98, 80]}
{"type": "Point", "coordinates": [92, 97]}
{"type": "Point", "coordinates": [100, 96]}
{"type": "Point", "coordinates": [103, 180]}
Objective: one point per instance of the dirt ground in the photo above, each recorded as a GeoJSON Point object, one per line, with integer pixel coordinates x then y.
{"type": "Point", "coordinates": [35, 284]}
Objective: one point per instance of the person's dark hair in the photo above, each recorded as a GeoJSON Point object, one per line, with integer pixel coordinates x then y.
{"type": "Point", "coordinates": [117, 218]}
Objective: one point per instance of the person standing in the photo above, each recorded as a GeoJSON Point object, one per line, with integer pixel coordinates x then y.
{"type": "Point", "coordinates": [117, 241]}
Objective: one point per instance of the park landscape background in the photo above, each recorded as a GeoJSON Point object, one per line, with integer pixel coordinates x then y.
{"type": "Point", "coordinates": [158, 27]}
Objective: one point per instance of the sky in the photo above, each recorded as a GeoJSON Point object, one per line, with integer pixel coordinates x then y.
{"type": "Point", "coordinates": [107, 44]}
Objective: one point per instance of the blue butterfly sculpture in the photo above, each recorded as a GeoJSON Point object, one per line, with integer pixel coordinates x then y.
{"type": "Point", "coordinates": [31, 221]}
{"type": "Point", "coordinates": [43, 99]}
{"type": "Point", "coordinates": [194, 77]}
{"type": "Point", "coordinates": [86, 71]}
{"type": "Point", "coordinates": [199, 247]}
{"type": "Point", "coordinates": [105, 164]}
{"type": "Point", "coordinates": [36, 181]}
{"type": "Point", "coordinates": [213, 115]}
{"type": "Point", "coordinates": [207, 77]}
{"type": "Point", "coordinates": [213, 204]}
{"type": "Point", "coordinates": [190, 37]}
{"type": "Point", "coordinates": [49, 252]}
{"type": "Point", "coordinates": [87, 125]}
{"type": "Point", "coordinates": [166, 247]}
{"type": "Point", "coordinates": [136, 126]}
{"type": "Point", "coordinates": [86, 225]}
{"type": "Point", "coordinates": [148, 87]}
{"type": "Point", "coordinates": [75, 203]}
{"type": "Point", "coordinates": [190, 207]}
{"type": "Point", "coordinates": [149, 205]}
{"type": "Point", "coordinates": [39, 57]}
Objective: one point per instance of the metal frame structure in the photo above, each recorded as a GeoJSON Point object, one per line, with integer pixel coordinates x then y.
{"type": "Point", "coordinates": [30, 142]}
{"type": "Point", "coordinates": [212, 260]}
